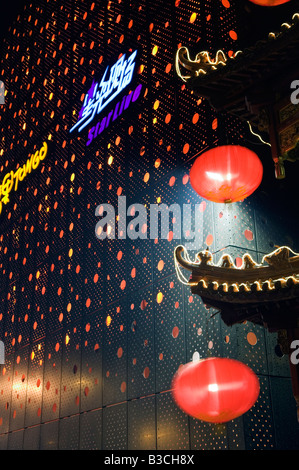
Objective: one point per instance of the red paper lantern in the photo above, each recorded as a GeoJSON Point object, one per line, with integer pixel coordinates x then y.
{"type": "Point", "coordinates": [215, 390]}
{"type": "Point", "coordinates": [269, 3]}
{"type": "Point", "coordinates": [227, 173]}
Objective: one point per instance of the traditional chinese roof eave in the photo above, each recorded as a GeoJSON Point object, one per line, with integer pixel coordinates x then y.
{"type": "Point", "coordinates": [227, 87]}
{"type": "Point", "coordinates": [249, 299]}
{"type": "Point", "coordinates": [245, 292]}
{"type": "Point", "coordinates": [282, 263]}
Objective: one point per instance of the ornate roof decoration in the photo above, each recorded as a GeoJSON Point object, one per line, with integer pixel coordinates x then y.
{"type": "Point", "coordinates": [202, 64]}
{"type": "Point", "coordinates": [253, 85]}
{"type": "Point", "coordinates": [224, 80]}
{"type": "Point", "coordinates": [252, 291]}
{"type": "Point", "coordinates": [278, 269]}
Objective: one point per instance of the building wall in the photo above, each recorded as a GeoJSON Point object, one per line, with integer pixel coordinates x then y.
{"type": "Point", "coordinates": [91, 343]}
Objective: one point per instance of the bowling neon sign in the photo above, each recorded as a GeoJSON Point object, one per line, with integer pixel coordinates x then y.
{"type": "Point", "coordinates": [101, 94]}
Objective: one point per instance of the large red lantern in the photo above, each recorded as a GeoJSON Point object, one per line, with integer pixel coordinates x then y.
{"type": "Point", "coordinates": [269, 3]}
{"type": "Point", "coordinates": [228, 173]}
{"type": "Point", "coordinates": [215, 390]}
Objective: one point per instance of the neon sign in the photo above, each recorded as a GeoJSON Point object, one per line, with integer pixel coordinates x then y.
{"type": "Point", "coordinates": [101, 94]}
{"type": "Point", "coordinates": [11, 180]}
{"type": "Point", "coordinates": [113, 114]}
{"type": "Point", "coordinates": [113, 82]}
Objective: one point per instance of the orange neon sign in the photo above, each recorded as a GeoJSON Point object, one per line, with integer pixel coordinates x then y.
{"type": "Point", "coordinates": [11, 180]}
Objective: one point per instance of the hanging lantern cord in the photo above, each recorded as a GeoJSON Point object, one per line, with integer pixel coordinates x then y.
{"type": "Point", "coordinates": [257, 135]}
